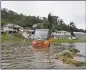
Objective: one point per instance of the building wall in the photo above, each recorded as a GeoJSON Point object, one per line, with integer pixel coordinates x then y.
{"type": "Point", "coordinates": [5, 29]}
{"type": "Point", "coordinates": [61, 33]}
{"type": "Point", "coordinates": [80, 35]}
{"type": "Point", "coordinates": [9, 30]}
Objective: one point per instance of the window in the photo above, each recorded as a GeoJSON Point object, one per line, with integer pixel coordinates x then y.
{"type": "Point", "coordinates": [41, 34]}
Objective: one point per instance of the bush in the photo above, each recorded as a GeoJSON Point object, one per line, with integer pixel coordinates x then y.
{"type": "Point", "coordinates": [67, 54]}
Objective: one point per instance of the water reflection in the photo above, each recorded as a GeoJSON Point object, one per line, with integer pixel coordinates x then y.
{"type": "Point", "coordinates": [43, 57]}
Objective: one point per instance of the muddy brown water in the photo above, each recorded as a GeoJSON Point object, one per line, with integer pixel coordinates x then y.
{"type": "Point", "coordinates": [17, 56]}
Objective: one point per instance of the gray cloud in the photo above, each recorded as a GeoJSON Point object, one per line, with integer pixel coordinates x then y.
{"type": "Point", "coordinates": [66, 10]}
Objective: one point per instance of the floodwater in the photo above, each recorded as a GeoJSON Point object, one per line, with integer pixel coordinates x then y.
{"type": "Point", "coordinates": [80, 46]}
{"type": "Point", "coordinates": [24, 56]}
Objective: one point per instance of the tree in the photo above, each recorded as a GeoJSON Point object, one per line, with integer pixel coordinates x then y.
{"type": "Point", "coordinates": [8, 16]}
{"type": "Point", "coordinates": [46, 23]}
{"type": "Point", "coordinates": [50, 22]}
{"type": "Point", "coordinates": [72, 27]}
{"type": "Point", "coordinates": [61, 21]}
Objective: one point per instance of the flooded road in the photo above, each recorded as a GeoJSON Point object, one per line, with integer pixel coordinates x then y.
{"type": "Point", "coordinates": [25, 57]}
{"type": "Point", "coordinates": [81, 47]}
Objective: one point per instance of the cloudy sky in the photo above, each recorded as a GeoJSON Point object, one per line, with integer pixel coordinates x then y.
{"type": "Point", "coordinates": [66, 10]}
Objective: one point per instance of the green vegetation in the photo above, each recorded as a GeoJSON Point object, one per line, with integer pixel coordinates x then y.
{"type": "Point", "coordinates": [18, 37]}
{"type": "Point", "coordinates": [9, 16]}
{"type": "Point", "coordinates": [14, 38]}
{"type": "Point", "coordinates": [54, 22]}
{"type": "Point", "coordinates": [11, 37]}
{"type": "Point", "coordinates": [68, 58]}
{"type": "Point", "coordinates": [66, 54]}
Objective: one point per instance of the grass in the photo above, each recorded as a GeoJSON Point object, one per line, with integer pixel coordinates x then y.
{"type": "Point", "coordinates": [15, 38]}
{"type": "Point", "coordinates": [18, 37]}
{"type": "Point", "coordinates": [10, 37]}
{"type": "Point", "coordinates": [28, 42]}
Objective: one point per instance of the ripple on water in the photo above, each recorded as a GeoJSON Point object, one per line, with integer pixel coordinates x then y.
{"type": "Point", "coordinates": [26, 57]}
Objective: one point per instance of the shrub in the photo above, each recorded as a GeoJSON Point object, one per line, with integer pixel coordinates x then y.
{"type": "Point", "coordinates": [67, 54]}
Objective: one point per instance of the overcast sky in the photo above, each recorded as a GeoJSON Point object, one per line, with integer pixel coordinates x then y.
{"type": "Point", "coordinates": [66, 10]}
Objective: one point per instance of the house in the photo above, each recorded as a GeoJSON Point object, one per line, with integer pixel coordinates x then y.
{"type": "Point", "coordinates": [11, 28]}
{"type": "Point", "coordinates": [17, 27]}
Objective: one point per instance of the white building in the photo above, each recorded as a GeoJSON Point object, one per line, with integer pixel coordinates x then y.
{"type": "Point", "coordinates": [27, 33]}
{"type": "Point", "coordinates": [8, 28]}
{"type": "Point", "coordinates": [61, 34]}
{"type": "Point", "coordinates": [80, 35]}
{"type": "Point", "coordinates": [11, 28]}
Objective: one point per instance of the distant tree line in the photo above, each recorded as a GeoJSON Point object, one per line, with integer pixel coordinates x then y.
{"type": "Point", "coordinates": [51, 22]}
